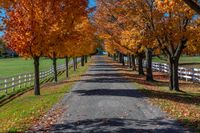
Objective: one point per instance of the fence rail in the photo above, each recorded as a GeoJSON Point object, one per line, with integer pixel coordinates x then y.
{"type": "Point", "coordinates": [10, 84]}
{"type": "Point", "coordinates": [188, 74]}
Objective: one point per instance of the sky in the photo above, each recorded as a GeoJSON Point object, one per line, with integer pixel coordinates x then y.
{"type": "Point", "coordinates": [92, 3]}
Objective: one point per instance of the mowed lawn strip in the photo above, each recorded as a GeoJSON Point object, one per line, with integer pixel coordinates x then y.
{"type": "Point", "coordinates": [22, 112]}
{"type": "Point", "coordinates": [14, 66]}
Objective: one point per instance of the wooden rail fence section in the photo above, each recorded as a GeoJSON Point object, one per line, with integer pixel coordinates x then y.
{"type": "Point", "coordinates": [188, 74]}
{"type": "Point", "coordinates": [26, 80]}
{"type": "Point", "coordinates": [10, 84]}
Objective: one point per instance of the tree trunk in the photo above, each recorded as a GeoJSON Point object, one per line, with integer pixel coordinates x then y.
{"type": "Point", "coordinates": [193, 5]}
{"type": "Point", "coordinates": [82, 61]}
{"type": "Point", "coordinates": [123, 62]}
{"type": "Point", "coordinates": [37, 76]}
{"type": "Point", "coordinates": [55, 68]}
{"type": "Point", "coordinates": [130, 61]}
{"type": "Point", "coordinates": [76, 59]}
{"type": "Point", "coordinates": [173, 74]}
{"type": "Point", "coordinates": [74, 62]}
{"type": "Point", "coordinates": [149, 75]}
{"type": "Point", "coordinates": [170, 63]}
{"type": "Point", "coordinates": [140, 65]}
{"type": "Point", "coordinates": [133, 62]}
{"type": "Point", "coordinates": [67, 66]}
{"type": "Point", "coordinates": [114, 57]}
{"type": "Point", "coordinates": [86, 59]}
{"type": "Point", "coordinates": [118, 56]}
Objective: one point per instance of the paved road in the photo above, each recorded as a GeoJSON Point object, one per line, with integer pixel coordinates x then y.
{"type": "Point", "coordinates": [105, 102]}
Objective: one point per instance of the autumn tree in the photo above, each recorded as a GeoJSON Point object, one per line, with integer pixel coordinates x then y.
{"type": "Point", "coordinates": [117, 26]}
{"type": "Point", "coordinates": [63, 27]}
{"type": "Point", "coordinates": [30, 26]}
{"type": "Point", "coordinates": [166, 26]}
{"type": "Point", "coordinates": [173, 32]}
{"type": "Point", "coordinates": [26, 31]}
{"type": "Point", "coordinates": [109, 28]}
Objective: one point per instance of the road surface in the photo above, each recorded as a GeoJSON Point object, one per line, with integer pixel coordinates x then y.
{"type": "Point", "coordinates": [105, 102]}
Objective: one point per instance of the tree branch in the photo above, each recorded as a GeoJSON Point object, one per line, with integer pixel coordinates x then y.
{"type": "Point", "coordinates": [193, 5]}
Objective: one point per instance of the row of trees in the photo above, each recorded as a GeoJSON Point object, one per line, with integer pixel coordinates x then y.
{"type": "Point", "coordinates": [143, 28]}
{"type": "Point", "coordinates": [49, 28]}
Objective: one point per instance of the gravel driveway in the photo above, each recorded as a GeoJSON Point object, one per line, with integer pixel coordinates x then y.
{"type": "Point", "coordinates": [104, 102]}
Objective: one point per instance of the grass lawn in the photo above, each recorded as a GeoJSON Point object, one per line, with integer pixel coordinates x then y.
{"type": "Point", "coordinates": [13, 66]}
{"type": "Point", "coordinates": [21, 113]}
{"type": "Point", "coordinates": [186, 61]}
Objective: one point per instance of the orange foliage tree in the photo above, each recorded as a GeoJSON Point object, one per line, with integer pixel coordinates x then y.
{"type": "Point", "coordinates": [167, 26]}
{"type": "Point", "coordinates": [63, 28]}
{"type": "Point", "coordinates": [26, 29]}
{"type": "Point", "coordinates": [36, 28]}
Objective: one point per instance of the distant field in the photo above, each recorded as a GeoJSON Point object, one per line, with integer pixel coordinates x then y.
{"type": "Point", "coordinates": [13, 66]}
{"type": "Point", "coordinates": [186, 61]}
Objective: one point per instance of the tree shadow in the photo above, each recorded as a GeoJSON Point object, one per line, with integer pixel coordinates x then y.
{"type": "Point", "coordinates": [107, 80]}
{"type": "Point", "coordinates": [108, 70]}
{"type": "Point", "coordinates": [105, 65]}
{"type": "Point", "coordinates": [110, 92]}
{"type": "Point", "coordinates": [193, 63]}
{"type": "Point", "coordinates": [122, 76]}
{"type": "Point", "coordinates": [176, 97]}
{"type": "Point", "coordinates": [117, 125]}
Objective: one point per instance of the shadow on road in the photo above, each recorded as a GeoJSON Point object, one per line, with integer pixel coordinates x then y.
{"type": "Point", "coordinates": [181, 97]}
{"type": "Point", "coordinates": [116, 125]}
{"type": "Point", "coordinates": [107, 80]}
{"type": "Point", "coordinates": [110, 92]}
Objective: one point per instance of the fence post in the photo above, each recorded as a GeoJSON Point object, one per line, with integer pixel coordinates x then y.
{"type": "Point", "coordinates": [19, 81]}
{"type": "Point", "coordinates": [41, 76]}
{"type": "Point", "coordinates": [5, 85]}
{"type": "Point", "coordinates": [193, 75]}
{"type": "Point", "coordinates": [180, 73]}
{"type": "Point", "coordinates": [30, 79]}
{"type": "Point", "coordinates": [160, 67]}
{"type": "Point", "coordinates": [25, 80]}
{"type": "Point", "coordinates": [186, 75]}
{"type": "Point", "coordinates": [13, 84]}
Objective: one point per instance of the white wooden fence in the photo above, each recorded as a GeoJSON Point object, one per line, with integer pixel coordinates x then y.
{"type": "Point", "coordinates": [26, 80]}
{"type": "Point", "coordinates": [188, 74]}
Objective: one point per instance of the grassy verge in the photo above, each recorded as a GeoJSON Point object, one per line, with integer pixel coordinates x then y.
{"type": "Point", "coordinates": [19, 114]}
{"type": "Point", "coordinates": [13, 66]}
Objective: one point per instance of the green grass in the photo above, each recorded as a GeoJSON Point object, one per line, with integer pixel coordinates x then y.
{"type": "Point", "coordinates": [186, 61]}
{"type": "Point", "coordinates": [13, 66]}
{"type": "Point", "coordinates": [19, 114]}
